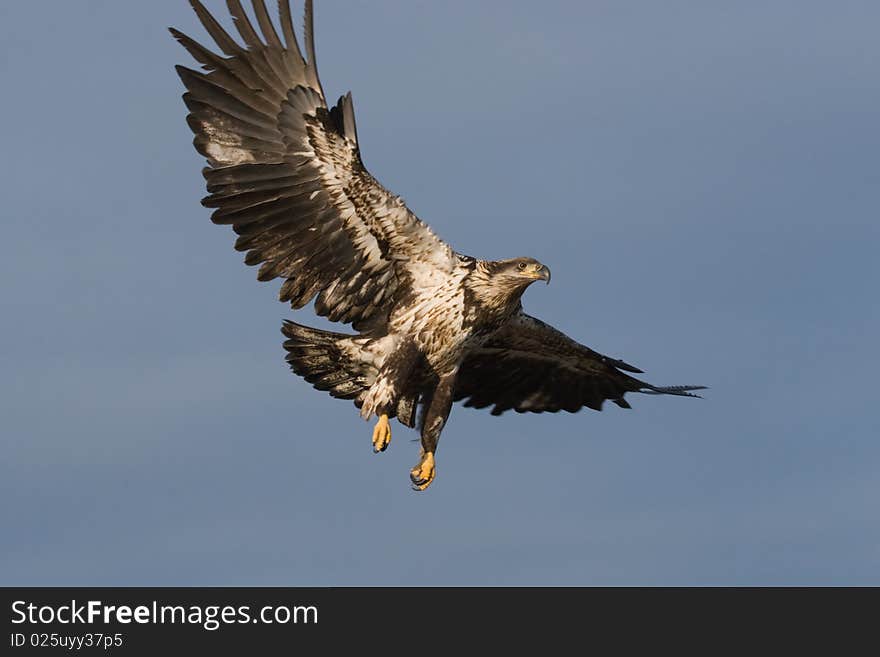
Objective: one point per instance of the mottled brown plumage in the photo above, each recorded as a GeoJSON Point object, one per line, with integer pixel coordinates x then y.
{"type": "Point", "coordinates": [285, 171]}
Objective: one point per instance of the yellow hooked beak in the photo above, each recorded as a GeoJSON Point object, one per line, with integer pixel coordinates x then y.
{"type": "Point", "coordinates": [540, 272]}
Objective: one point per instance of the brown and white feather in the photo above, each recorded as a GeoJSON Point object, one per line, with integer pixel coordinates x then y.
{"type": "Point", "coordinates": [286, 172]}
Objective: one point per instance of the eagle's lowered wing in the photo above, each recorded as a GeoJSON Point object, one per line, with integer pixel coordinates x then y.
{"type": "Point", "coordinates": [530, 366]}
{"type": "Point", "coordinates": [285, 171]}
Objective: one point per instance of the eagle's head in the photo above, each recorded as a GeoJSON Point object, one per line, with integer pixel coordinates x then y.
{"type": "Point", "coordinates": [518, 273]}
{"type": "Point", "coordinates": [500, 283]}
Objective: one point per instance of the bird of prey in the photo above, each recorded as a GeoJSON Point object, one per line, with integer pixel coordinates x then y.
{"type": "Point", "coordinates": [432, 326]}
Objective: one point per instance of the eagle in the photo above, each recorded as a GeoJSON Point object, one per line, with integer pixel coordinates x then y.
{"type": "Point", "coordinates": [432, 326]}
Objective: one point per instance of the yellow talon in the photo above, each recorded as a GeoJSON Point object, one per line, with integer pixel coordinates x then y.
{"type": "Point", "coordinates": [423, 474]}
{"type": "Point", "coordinates": [381, 434]}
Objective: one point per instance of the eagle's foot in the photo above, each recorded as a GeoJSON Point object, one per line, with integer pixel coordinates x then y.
{"type": "Point", "coordinates": [423, 474]}
{"type": "Point", "coordinates": [381, 434]}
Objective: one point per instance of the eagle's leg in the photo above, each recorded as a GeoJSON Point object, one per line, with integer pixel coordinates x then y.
{"type": "Point", "coordinates": [386, 389]}
{"type": "Point", "coordinates": [432, 424]}
{"type": "Point", "coordinates": [381, 434]}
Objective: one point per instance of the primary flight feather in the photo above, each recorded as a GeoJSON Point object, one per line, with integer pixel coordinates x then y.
{"type": "Point", "coordinates": [434, 326]}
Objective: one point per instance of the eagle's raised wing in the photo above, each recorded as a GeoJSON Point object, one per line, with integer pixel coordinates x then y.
{"type": "Point", "coordinates": [528, 365]}
{"type": "Point", "coordinates": [286, 173]}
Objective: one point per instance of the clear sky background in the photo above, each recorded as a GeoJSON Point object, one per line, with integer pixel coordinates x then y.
{"type": "Point", "coordinates": [701, 177]}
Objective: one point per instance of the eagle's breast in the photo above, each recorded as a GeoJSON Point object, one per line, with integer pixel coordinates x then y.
{"type": "Point", "coordinates": [436, 317]}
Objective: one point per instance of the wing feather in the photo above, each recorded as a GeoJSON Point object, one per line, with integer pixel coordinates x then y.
{"type": "Point", "coordinates": [529, 366]}
{"type": "Point", "coordinates": [266, 26]}
{"type": "Point", "coordinates": [285, 171]}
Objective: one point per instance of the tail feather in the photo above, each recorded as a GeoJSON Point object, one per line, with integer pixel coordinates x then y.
{"type": "Point", "coordinates": [317, 356]}
{"type": "Point", "coordinates": [326, 360]}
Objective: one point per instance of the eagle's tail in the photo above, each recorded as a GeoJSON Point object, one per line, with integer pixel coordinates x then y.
{"type": "Point", "coordinates": [319, 357]}
{"type": "Point", "coordinates": [335, 362]}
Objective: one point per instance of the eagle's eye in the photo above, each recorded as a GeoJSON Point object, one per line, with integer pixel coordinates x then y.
{"type": "Point", "coordinates": [521, 266]}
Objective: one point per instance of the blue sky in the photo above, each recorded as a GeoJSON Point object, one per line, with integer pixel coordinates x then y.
{"type": "Point", "coordinates": [702, 178]}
